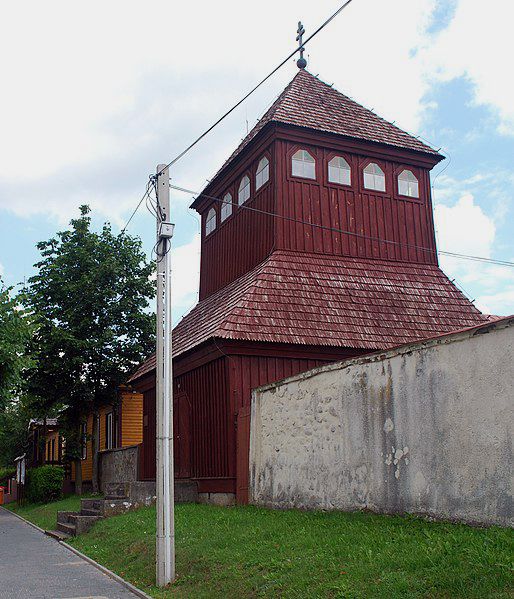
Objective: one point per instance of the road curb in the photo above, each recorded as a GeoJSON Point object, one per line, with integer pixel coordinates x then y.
{"type": "Point", "coordinates": [23, 519]}
{"type": "Point", "coordinates": [98, 566]}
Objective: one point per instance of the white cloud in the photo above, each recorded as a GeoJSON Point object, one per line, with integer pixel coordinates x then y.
{"type": "Point", "coordinates": [100, 93]}
{"type": "Point", "coordinates": [185, 274]}
{"type": "Point", "coordinates": [478, 45]}
{"type": "Point", "coordinates": [465, 228]}
{"type": "Point", "coordinates": [501, 303]}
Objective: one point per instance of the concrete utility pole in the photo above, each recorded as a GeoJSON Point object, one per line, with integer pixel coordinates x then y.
{"type": "Point", "coordinates": [165, 562]}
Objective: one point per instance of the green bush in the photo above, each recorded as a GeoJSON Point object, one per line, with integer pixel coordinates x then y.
{"type": "Point", "coordinates": [6, 473]}
{"type": "Point", "coordinates": [44, 484]}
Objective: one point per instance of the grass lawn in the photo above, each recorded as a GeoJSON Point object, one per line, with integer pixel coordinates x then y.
{"type": "Point", "coordinates": [250, 552]}
{"type": "Point", "coordinates": [44, 515]}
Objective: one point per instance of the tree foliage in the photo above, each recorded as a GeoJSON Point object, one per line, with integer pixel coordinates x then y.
{"type": "Point", "coordinates": [15, 335]}
{"type": "Point", "coordinates": [90, 300]}
{"type": "Point", "coordinates": [15, 331]}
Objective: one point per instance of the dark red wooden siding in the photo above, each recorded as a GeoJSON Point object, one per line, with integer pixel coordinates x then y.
{"type": "Point", "coordinates": [245, 238]}
{"type": "Point", "coordinates": [203, 424]}
{"type": "Point", "coordinates": [205, 389]}
{"type": "Point", "coordinates": [404, 226]}
{"type": "Point", "coordinates": [407, 223]}
{"type": "Point", "coordinates": [240, 243]}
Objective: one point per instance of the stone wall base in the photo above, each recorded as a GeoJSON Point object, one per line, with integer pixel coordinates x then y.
{"type": "Point", "coordinates": [221, 499]}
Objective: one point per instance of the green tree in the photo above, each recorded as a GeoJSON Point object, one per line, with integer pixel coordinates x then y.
{"type": "Point", "coordinates": [90, 300]}
{"type": "Point", "coordinates": [14, 420]}
{"type": "Point", "coordinates": [15, 334]}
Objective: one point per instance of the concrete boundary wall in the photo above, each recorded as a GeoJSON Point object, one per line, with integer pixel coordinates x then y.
{"type": "Point", "coordinates": [118, 465]}
{"type": "Point", "coordinates": [424, 428]}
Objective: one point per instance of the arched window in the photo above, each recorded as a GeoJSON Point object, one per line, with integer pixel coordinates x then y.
{"type": "Point", "coordinates": [244, 190]}
{"type": "Point", "coordinates": [304, 165]}
{"type": "Point", "coordinates": [210, 222]}
{"type": "Point", "coordinates": [374, 177]}
{"type": "Point", "coordinates": [226, 207]}
{"type": "Point", "coordinates": [339, 171]}
{"type": "Point", "coordinates": [408, 185]}
{"type": "Point", "coordinates": [262, 174]}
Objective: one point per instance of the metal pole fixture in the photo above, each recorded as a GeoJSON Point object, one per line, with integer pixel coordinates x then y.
{"type": "Point", "coordinates": [165, 562]}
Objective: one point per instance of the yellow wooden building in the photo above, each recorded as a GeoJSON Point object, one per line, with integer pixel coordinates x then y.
{"type": "Point", "coordinates": [118, 426]}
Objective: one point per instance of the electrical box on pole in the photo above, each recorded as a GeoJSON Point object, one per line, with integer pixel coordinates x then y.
{"type": "Point", "coordinates": [165, 561]}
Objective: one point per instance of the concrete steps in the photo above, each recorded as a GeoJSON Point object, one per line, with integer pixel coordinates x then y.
{"type": "Point", "coordinates": [119, 498]}
{"type": "Point", "coordinates": [58, 534]}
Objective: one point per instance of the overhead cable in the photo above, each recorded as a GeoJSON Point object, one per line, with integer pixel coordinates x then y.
{"type": "Point", "coordinates": [344, 232]}
{"type": "Point", "coordinates": [256, 87]}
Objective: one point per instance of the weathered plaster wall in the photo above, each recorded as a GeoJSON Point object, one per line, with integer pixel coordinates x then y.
{"type": "Point", "coordinates": [426, 428]}
{"type": "Point", "coordinates": [118, 466]}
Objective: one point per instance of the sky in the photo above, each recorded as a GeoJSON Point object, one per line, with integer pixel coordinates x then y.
{"type": "Point", "coordinates": [96, 94]}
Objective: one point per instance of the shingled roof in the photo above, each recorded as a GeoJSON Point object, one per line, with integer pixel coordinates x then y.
{"type": "Point", "coordinates": [310, 103]}
{"type": "Point", "coordinates": [311, 299]}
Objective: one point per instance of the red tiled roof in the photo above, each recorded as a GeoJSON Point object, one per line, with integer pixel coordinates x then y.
{"type": "Point", "coordinates": [310, 299]}
{"type": "Point", "coordinates": [309, 102]}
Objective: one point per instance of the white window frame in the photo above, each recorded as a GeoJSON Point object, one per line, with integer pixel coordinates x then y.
{"type": "Point", "coordinates": [303, 164]}
{"type": "Point", "coordinates": [339, 171]}
{"type": "Point", "coordinates": [374, 180]}
{"type": "Point", "coordinates": [262, 174]}
{"type": "Point", "coordinates": [210, 222]}
{"type": "Point", "coordinates": [109, 432]}
{"type": "Point", "coordinates": [244, 191]}
{"type": "Point", "coordinates": [226, 206]}
{"type": "Point", "coordinates": [410, 181]}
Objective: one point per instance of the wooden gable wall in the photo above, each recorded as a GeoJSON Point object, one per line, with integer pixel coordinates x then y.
{"type": "Point", "coordinates": [405, 224]}
{"type": "Point", "coordinates": [245, 238]}
{"type": "Point", "coordinates": [311, 213]}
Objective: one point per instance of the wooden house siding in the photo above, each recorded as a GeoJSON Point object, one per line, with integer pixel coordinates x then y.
{"type": "Point", "coordinates": [246, 237]}
{"type": "Point", "coordinates": [87, 463]}
{"type": "Point", "coordinates": [52, 453]}
{"type": "Point", "coordinates": [131, 419]}
{"type": "Point", "coordinates": [131, 430]}
{"type": "Point", "coordinates": [403, 225]}
{"type": "Point", "coordinates": [381, 225]}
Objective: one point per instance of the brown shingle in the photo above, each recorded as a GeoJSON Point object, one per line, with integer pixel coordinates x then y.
{"type": "Point", "coordinates": [311, 299]}
{"type": "Point", "coordinates": [309, 102]}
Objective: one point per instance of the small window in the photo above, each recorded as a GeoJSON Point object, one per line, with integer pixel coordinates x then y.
{"type": "Point", "coordinates": [339, 171]}
{"type": "Point", "coordinates": [244, 190]}
{"type": "Point", "coordinates": [109, 431]}
{"type": "Point", "coordinates": [374, 177]}
{"type": "Point", "coordinates": [408, 185]}
{"type": "Point", "coordinates": [262, 174]}
{"type": "Point", "coordinates": [83, 440]}
{"type": "Point", "coordinates": [304, 165]}
{"type": "Point", "coordinates": [226, 206]}
{"type": "Point", "coordinates": [210, 223]}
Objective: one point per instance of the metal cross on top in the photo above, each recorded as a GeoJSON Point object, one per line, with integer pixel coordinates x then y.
{"type": "Point", "coordinates": [301, 63]}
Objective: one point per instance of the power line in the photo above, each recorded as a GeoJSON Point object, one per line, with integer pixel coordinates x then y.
{"type": "Point", "coordinates": [350, 233]}
{"type": "Point", "coordinates": [224, 116]}
{"type": "Point", "coordinates": [143, 197]}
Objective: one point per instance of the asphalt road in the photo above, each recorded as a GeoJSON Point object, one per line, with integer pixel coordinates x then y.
{"type": "Point", "coordinates": [34, 566]}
